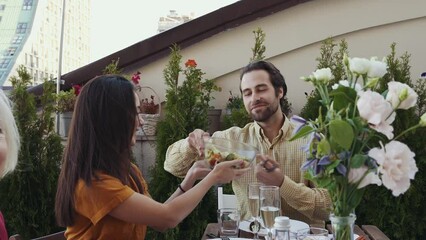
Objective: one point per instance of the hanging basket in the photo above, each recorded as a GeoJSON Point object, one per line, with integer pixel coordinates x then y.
{"type": "Point", "coordinates": [150, 112]}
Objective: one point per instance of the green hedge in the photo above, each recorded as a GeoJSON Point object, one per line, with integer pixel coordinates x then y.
{"type": "Point", "coordinates": [28, 194]}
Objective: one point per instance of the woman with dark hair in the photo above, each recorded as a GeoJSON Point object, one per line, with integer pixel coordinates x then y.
{"type": "Point", "coordinates": [101, 194]}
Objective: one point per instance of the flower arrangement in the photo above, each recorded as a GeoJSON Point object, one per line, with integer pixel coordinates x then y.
{"type": "Point", "coordinates": [352, 145]}
{"type": "Point", "coordinates": [66, 99]}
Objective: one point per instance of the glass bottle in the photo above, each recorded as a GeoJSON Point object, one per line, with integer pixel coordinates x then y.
{"type": "Point", "coordinates": [282, 228]}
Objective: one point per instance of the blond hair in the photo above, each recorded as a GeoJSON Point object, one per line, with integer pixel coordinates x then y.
{"type": "Point", "coordinates": [11, 133]}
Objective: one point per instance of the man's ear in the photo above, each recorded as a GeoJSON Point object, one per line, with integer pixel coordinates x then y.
{"type": "Point", "coordinates": [281, 92]}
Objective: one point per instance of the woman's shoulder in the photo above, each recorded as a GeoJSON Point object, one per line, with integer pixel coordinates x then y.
{"type": "Point", "coordinates": [100, 181]}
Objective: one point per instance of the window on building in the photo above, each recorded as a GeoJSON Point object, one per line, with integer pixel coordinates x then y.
{"type": "Point", "coordinates": [17, 39]}
{"type": "Point", "coordinates": [36, 76]}
{"type": "Point", "coordinates": [28, 4]}
{"type": "Point", "coordinates": [2, 7]}
{"type": "Point", "coordinates": [10, 51]}
{"type": "Point", "coordinates": [4, 62]}
{"type": "Point", "coordinates": [21, 28]}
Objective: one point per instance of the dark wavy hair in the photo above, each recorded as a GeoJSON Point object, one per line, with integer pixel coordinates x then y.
{"type": "Point", "coordinates": [275, 76]}
{"type": "Point", "coordinates": [99, 139]}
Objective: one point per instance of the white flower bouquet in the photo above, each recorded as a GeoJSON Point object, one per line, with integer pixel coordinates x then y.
{"type": "Point", "coordinates": [352, 143]}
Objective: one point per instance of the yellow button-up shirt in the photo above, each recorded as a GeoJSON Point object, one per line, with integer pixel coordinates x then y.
{"type": "Point", "coordinates": [298, 200]}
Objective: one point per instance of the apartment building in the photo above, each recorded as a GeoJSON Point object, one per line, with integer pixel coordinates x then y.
{"type": "Point", "coordinates": [30, 33]}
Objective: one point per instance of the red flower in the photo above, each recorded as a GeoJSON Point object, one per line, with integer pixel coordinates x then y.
{"type": "Point", "coordinates": [77, 89]}
{"type": "Point", "coordinates": [190, 63]}
{"type": "Point", "coordinates": [136, 77]}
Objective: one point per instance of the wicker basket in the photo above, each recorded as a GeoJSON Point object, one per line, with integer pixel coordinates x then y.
{"type": "Point", "coordinates": [150, 123]}
{"type": "Point", "coordinates": [150, 120]}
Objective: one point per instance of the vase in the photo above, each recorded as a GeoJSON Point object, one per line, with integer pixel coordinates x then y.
{"type": "Point", "coordinates": [343, 227]}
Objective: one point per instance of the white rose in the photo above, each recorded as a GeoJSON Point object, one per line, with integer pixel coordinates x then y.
{"type": "Point", "coordinates": [423, 120]}
{"type": "Point", "coordinates": [396, 164]}
{"type": "Point", "coordinates": [377, 68]}
{"type": "Point", "coordinates": [359, 65]}
{"type": "Point", "coordinates": [376, 111]}
{"type": "Point", "coordinates": [323, 74]}
{"type": "Point", "coordinates": [401, 94]}
{"type": "Point", "coordinates": [355, 174]}
{"type": "Point", "coordinates": [346, 84]}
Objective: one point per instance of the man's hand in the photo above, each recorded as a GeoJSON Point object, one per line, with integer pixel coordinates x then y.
{"type": "Point", "coordinates": [196, 140]}
{"type": "Point", "coordinates": [268, 172]}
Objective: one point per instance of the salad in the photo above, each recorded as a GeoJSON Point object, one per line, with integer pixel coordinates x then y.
{"type": "Point", "coordinates": [214, 156]}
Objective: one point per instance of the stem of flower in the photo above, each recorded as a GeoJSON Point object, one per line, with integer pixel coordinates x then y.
{"type": "Point", "coordinates": [407, 130]}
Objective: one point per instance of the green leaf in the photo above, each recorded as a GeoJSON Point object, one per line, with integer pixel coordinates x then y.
{"type": "Point", "coordinates": [358, 160]}
{"type": "Point", "coordinates": [324, 182]}
{"type": "Point", "coordinates": [323, 147]}
{"type": "Point", "coordinates": [302, 132]}
{"type": "Point", "coordinates": [330, 168]}
{"type": "Point", "coordinates": [342, 133]}
{"type": "Point", "coordinates": [342, 97]}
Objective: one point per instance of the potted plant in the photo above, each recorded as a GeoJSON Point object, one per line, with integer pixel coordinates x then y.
{"type": "Point", "coordinates": [149, 109]}
{"type": "Point", "coordinates": [65, 101]}
{"type": "Point", "coordinates": [149, 106]}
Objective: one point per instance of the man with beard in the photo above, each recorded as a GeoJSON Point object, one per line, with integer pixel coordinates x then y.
{"type": "Point", "coordinates": [263, 89]}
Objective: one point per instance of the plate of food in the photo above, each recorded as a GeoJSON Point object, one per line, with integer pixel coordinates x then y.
{"type": "Point", "coordinates": [218, 150]}
{"type": "Point", "coordinates": [295, 226]}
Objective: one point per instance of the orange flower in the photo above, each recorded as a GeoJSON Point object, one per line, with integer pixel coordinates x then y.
{"type": "Point", "coordinates": [190, 63]}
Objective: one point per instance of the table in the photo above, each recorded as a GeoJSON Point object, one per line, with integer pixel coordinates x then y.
{"type": "Point", "coordinates": [369, 232]}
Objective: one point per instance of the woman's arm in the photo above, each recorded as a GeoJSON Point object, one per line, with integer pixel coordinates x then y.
{"type": "Point", "coordinates": [198, 170]}
{"type": "Point", "coordinates": [144, 210]}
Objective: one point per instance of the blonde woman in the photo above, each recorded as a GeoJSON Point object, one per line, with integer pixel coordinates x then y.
{"type": "Point", "coordinates": [9, 146]}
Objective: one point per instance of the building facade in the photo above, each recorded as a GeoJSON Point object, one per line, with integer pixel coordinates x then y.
{"type": "Point", "coordinates": [30, 33]}
{"type": "Point", "coordinates": [172, 20]}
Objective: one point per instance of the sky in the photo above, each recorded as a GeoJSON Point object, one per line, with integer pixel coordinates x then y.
{"type": "Point", "coordinates": [117, 24]}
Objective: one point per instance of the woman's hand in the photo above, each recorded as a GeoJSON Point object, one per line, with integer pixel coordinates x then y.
{"type": "Point", "coordinates": [199, 170]}
{"type": "Point", "coordinates": [227, 171]}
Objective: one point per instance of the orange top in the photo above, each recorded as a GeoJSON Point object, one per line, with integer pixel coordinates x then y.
{"type": "Point", "coordinates": [93, 204]}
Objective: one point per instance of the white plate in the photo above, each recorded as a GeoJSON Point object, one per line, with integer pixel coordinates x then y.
{"type": "Point", "coordinates": [233, 238]}
{"type": "Point", "coordinates": [295, 226]}
{"type": "Point", "coordinates": [330, 236]}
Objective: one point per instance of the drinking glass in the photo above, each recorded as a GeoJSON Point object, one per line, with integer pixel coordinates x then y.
{"type": "Point", "coordinates": [312, 233]}
{"type": "Point", "coordinates": [270, 207]}
{"type": "Point", "coordinates": [254, 206]}
{"type": "Point", "coordinates": [229, 221]}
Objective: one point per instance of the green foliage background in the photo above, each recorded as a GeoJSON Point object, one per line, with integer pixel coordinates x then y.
{"type": "Point", "coordinates": [186, 108]}
{"type": "Point", "coordinates": [28, 194]}
{"type": "Point", "coordinates": [402, 217]}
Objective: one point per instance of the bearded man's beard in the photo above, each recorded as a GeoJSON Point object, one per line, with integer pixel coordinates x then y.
{"type": "Point", "coordinates": [265, 114]}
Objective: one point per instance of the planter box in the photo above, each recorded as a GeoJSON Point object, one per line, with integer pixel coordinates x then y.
{"type": "Point", "coordinates": [214, 120]}
{"type": "Point", "coordinates": [64, 123]}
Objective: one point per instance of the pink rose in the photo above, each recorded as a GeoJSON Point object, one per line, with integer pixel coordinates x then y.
{"type": "Point", "coordinates": [401, 96]}
{"type": "Point", "coordinates": [357, 174]}
{"type": "Point", "coordinates": [396, 164]}
{"type": "Point", "coordinates": [376, 111]}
